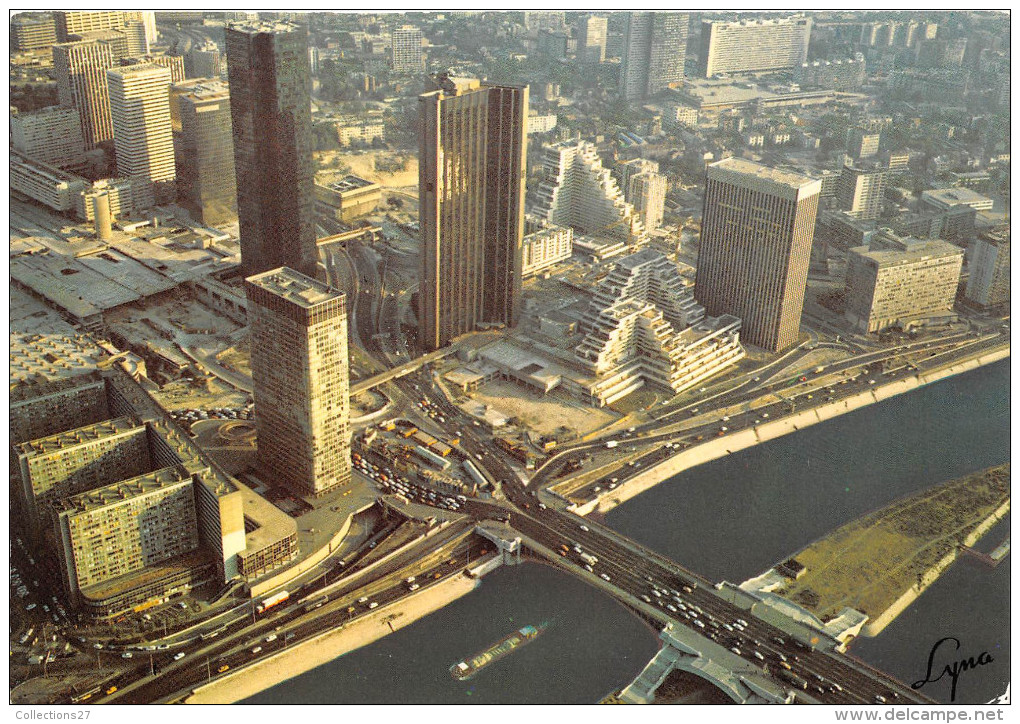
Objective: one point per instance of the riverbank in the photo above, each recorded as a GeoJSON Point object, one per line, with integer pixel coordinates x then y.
{"type": "Point", "coordinates": [721, 446]}
{"type": "Point", "coordinates": [305, 656]}
{"type": "Point", "coordinates": [880, 563]}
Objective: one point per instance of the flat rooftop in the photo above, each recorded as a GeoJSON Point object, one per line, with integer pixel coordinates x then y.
{"type": "Point", "coordinates": [70, 285]}
{"type": "Point", "coordinates": [955, 195]}
{"type": "Point", "coordinates": [767, 173]}
{"type": "Point", "coordinates": [78, 436]}
{"type": "Point", "coordinates": [294, 287]}
{"type": "Point", "coordinates": [352, 183]}
{"type": "Point", "coordinates": [203, 89]}
{"type": "Point", "coordinates": [148, 576]}
{"type": "Point", "coordinates": [124, 490]}
{"type": "Point", "coordinates": [916, 250]}
{"type": "Point", "coordinates": [253, 27]}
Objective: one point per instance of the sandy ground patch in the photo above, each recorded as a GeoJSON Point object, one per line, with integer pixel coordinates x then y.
{"type": "Point", "coordinates": [543, 414]}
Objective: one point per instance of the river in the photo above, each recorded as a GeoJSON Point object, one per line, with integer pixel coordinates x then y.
{"type": "Point", "coordinates": [728, 519]}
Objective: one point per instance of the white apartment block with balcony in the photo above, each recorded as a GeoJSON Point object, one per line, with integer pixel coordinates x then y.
{"type": "Point", "coordinates": [544, 245]}
{"type": "Point", "coordinates": [51, 135]}
{"type": "Point", "coordinates": [579, 192]}
{"type": "Point", "coordinates": [643, 326]}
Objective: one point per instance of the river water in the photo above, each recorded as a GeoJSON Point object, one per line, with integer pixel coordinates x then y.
{"type": "Point", "coordinates": [728, 519]}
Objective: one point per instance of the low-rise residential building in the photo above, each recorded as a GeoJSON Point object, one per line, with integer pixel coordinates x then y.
{"type": "Point", "coordinates": [348, 197]}
{"type": "Point", "coordinates": [51, 135]}
{"type": "Point", "coordinates": [46, 184]}
{"type": "Point", "coordinates": [541, 123]}
{"type": "Point", "coordinates": [943, 199]}
{"type": "Point", "coordinates": [900, 281]}
{"type": "Point", "coordinates": [544, 245]}
{"type": "Point", "coordinates": [358, 130]}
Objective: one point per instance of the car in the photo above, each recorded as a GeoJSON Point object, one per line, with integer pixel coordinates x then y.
{"type": "Point", "coordinates": [97, 646]}
{"type": "Point", "coordinates": [413, 587]}
{"type": "Point", "coordinates": [180, 655]}
{"type": "Point", "coordinates": [646, 599]}
{"type": "Point", "coordinates": [363, 599]}
{"type": "Point", "coordinates": [29, 607]}
{"type": "Point", "coordinates": [604, 577]}
{"type": "Point", "coordinates": [742, 622]}
{"type": "Point", "coordinates": [374, 604]}
{"type": "Point", "coordinates": [585, 529]}
{"type": "Point", "coordinates": [879, 698]}
{"type": "Point", "coordinates": [163, 647]}
{"type": "Point", "coordinates": [270, 638]}
{"type": "Point", "coordinates": [735, 650]}
{"type": "Point", "coordinates": [671, 607]}
{"type": "Point", "coordinates": [541, 506]}
{"type": "Point", "coordinates": [256, 649]}
{"type": "Point", "coordinates": [699, 624]}
{"type": "Point", "coordinates": [757, 655]}
{"type": "Point", "coordinates": [223, 668]}
{"type": "Point", "coordinates": [589, 568]}
{"type": "Point", "coordinates": [785, 665]}
{"type": "Point", "coordinates": [126, 655]}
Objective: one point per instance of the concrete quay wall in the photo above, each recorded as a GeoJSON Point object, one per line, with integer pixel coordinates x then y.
{"type": "Point", "coordinates": [876, 626]}
{"type": "Point", "coordinates": [718, 447]}
{"type": "Point", "coordinates": [307, 655]}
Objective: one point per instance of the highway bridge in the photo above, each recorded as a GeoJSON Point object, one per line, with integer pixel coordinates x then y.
{"type": "Point", "coordinates": [749, 663]}
{"type": "Point", "coordinates": [717, 632]}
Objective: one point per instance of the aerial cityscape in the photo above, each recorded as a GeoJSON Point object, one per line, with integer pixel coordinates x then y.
{"type": "Point", "coordinates": [510, 357]}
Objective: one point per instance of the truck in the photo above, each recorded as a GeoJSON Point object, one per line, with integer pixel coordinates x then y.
{"type": "Point", "coordinates": [611, 444]}
{"type": "Point", "coordinates": [275, 600]}
{"type": "Point", "coordinates": [589, 559]}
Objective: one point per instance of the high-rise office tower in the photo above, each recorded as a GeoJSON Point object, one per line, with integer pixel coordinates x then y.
{"type": "Point", "coordinates": [173, 63]}
{"type": "Point", "coordinates": [861, 190]}
{"type": "Point", "coordinates": [202, 61]}
{"type": "Point", "coordinates": [647, 191]}
{"type": "Point", "coordinates": [80, 69]}
{"type": "Point", "coordinates": [471, 206]}
{"type": "Point", "coordinates": [140, 106]}
{"type": "Point", "coordinates": [271, 117]}
{"type": "Point", "coordinates": [654, 46]}
{"type": "Point", "coordinates": [744, 46]}
{"type": "Point", "coordinates": [299, 367]}
{"type": "Point", "coordinates": [205, 153]}
{"type": "Point", "coordinates": [74, 22]}
{"type": "Point", "coordinates": [137, 42]}
{"type": "Point", "coordinates": [33, 31]}
{"type": "Point", "coordinates": [756, 231]}
{"type": "Point", "coordinates": [148, 19]}
{"type": "Point", "coordinates": [988, 284]}
{"type": "Point", "coordinates": [406, 53]}
{"type": "Point", "coordinates": [594, 31]}
{"type": "Point", "coordinates": [115, 40]}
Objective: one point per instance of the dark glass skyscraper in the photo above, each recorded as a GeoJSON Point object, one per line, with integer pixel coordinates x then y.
{"type": "Point", "coordinates": [270, 110]}
{"type": "Point", "coordinates": [756, 231]}
{"type": "Point", "coordinates": [471, 206]}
